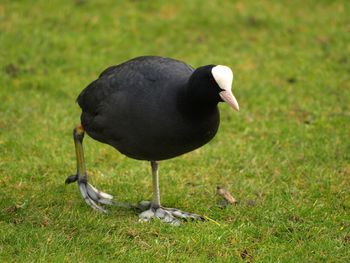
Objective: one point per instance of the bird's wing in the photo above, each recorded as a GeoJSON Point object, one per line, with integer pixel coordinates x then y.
{"type": "Point", "coordinates": [138, 73]}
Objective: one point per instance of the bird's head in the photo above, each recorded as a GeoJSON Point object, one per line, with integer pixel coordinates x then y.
{"type": "Point", "coordinates": [213, 83]}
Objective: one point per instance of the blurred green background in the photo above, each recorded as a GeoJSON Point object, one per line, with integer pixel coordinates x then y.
{"type": "Point", "coordinates": [285, 156]}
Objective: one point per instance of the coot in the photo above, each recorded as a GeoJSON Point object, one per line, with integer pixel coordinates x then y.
{"type": "Point", "coordinates": [150, 108]}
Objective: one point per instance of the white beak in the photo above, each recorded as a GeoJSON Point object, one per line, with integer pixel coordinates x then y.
{"type": "Point", "coordinates": [223, 76]}
{"type": "Point", "coordinates": [228, 97]}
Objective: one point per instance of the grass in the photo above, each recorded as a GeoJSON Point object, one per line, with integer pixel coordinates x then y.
{"type": "Point", "coordinates": [285, 156]}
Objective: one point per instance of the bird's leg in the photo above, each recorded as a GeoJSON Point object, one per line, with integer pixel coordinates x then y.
{"type": "Point", "coordinates": [91, 195]}
{"type": "Point", "coordinates": [155, 181]}
{"type": "Point", "coordinates": [168, 215]}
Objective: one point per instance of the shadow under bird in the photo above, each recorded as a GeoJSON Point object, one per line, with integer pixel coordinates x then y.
{"type": "Point", "coordinates": [150, 108]}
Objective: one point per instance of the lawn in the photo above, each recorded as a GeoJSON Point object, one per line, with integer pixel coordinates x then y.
{"type": "Point", "coordinates": [285, 156]}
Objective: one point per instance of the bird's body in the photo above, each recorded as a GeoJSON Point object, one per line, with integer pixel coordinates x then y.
{"type": "Point", "coordinates": [142, 108]}
{"type": "Point", "coordinates": [150, 108]}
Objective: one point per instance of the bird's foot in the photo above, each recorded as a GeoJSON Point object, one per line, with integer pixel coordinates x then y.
{"type": "Point", "coordinates": [165, 214]}
{"type": "Point", "coordinates": [94, 197]}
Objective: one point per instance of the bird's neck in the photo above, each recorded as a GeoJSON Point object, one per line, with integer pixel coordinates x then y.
{"type": "Point", "coordinates": [197, 99]}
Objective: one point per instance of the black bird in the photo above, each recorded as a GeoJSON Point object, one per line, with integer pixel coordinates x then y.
{"type": "Point", "coordinates": [151, 108]}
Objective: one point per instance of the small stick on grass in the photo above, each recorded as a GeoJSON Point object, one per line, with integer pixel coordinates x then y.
{"type": "Point", "coordinates": [226, 195]}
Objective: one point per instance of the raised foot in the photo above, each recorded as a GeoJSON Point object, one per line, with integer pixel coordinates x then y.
{"type": "Point", "coordinates": [94, 197]}
{"type": "Point", "coordinates": [165, 214]}
{"type": "Point", "coordinates": [91, 195]}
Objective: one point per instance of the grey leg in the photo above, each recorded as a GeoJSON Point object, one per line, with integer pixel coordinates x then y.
{"type": "Point", "coordinates": [154, 208]}
{"type": "Point", "coordinates": [91, 195]}
{"type": "Point", "coordinates": [156, 194]}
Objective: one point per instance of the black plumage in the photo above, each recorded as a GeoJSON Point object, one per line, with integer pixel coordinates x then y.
{"type": "Point", "coordinates": [152, 108]}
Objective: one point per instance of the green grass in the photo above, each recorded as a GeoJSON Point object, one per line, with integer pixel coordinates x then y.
{"type": "Point", "coordinates": [285, 156]}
